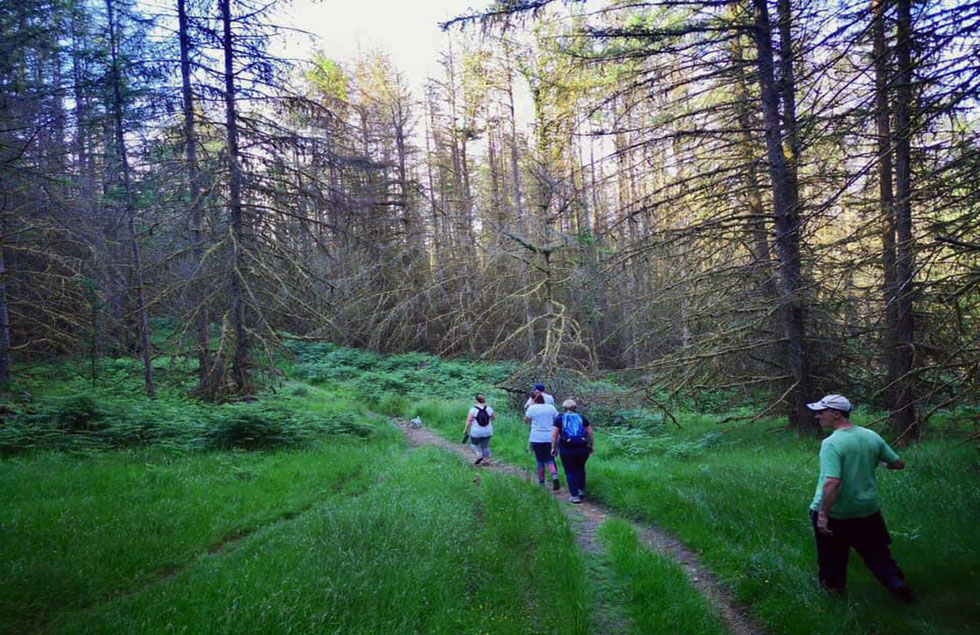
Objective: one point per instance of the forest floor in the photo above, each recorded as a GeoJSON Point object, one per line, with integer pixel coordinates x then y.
{"type": "Point", "coordinates": [589, 515]}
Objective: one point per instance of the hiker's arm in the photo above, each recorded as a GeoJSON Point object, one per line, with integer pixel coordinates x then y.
{"type": "Point", "coordinates": [588, 430]}
{"type": "Point", "coordinates": [554, 440]}
{"type": "Point", "coordinates": [896, 465]}
{"type": "Point", "coordinates": [469, 422]}
{"type": "Point", "coordinates": [831, 488]}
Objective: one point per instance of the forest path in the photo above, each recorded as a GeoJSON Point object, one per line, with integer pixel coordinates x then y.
{"type": "Point", "coordinates": [591, 514]}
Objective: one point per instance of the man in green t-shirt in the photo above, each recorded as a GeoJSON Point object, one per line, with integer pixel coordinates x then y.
{"type": "Point", "coordinates": [846, 511]}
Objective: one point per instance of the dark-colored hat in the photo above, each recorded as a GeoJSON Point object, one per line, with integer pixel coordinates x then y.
{"type": "Point", "coordinates": [539, 387]}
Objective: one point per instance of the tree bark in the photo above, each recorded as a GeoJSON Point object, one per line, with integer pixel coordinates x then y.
{"type": "Point", "coordinates": [117, 108]}
{"type": "Point", "coordinates": [903, 408]}
{"type": "Point", "coordinates": [239, 365]}
{"type": "Point", "coordinates": [787, 228]}
{"type": "Point", "coordinates": [194, 187]}
{"type": "Point", "coordinates": [5, 359]}
{"type": "Point", "coordinates": [886, 197]}
{"type": "Point", "coordinates": [517, 211]}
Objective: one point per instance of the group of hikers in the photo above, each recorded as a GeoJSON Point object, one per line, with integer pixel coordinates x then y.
{"type": "Point", "coordinates": [845, 511]}
{"type": "Point", "coordinates": [566, 434]}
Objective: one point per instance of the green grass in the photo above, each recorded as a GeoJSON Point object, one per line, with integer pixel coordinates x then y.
{"type": "Point", "coordinates": [423, 550]}
{"type": "Point", "coordinates": [739, 497]}
{"type": "Point", "coordinates": [741, 502]}
{"type": "Point", "coordinates": [79, 530]}
{"type": "Point", "coordinates": [345, 532]}
{"type": "Point", "coordinates": [658, 595]}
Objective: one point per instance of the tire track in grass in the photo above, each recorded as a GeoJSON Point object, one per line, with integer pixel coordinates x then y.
{"type": "Point", "coordinates": [591, 515]}
{"type": "Point", "coordinates": [223, 546]}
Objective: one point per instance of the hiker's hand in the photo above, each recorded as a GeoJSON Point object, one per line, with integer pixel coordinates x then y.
{"type": "Point", "coordinates": [822, 522]}
{"type": "Point", "coordinates": [553, 450]}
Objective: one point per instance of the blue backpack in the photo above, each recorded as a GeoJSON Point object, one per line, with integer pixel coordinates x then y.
{"type": "Point", "coordinates": [573, 430]}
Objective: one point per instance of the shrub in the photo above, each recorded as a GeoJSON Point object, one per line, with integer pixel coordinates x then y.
{"type": "Point", "coordinates": [74, 413]}
{"type": "Point", "coordinates": [393, 404]}
{"type": "Point", "coordinates": [639, 419]}
{"type": "Point", "coordinates": [252, 427]}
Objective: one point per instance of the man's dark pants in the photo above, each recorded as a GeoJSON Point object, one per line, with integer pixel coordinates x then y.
{"type": "Point", "coordinates": [869, 537]}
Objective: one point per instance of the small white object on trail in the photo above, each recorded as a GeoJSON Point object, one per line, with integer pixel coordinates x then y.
{"type": "Point", "coordinates": [416, 422]}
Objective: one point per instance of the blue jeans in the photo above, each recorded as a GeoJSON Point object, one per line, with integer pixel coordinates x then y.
{"type": "Point", "coordinates": [573, 460]}
{"type": "Point", "coordinates": [481, 445]}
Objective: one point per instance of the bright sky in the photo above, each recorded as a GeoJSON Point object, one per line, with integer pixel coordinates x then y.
{"type": "Point", "coordinates": [407, 30]}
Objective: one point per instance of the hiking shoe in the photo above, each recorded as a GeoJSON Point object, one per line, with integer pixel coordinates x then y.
{"type": "Point", "coordinates": [903, 593]}
{"type": "Point", "coordinates": [478, 460]}
{"type": "Point", "coordinates": [555, 485]}
{"type": "Point", "coordinates": [576, 499]}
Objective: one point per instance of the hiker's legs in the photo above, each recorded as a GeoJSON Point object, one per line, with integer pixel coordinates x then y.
{"type": "Point", "coordinates": [871, 541]}
{"type": "Point", "coordinates": [832, 554]}
{"type": "Point", "coordinates": [574, 463]}
{"type": "Point", "coordinates": [480, 446]}
{"type": "Point", "coordinates": [542, 457]}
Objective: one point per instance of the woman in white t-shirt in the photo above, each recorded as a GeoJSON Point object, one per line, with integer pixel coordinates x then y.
{"type": "Point", "coordinates": [479, 427]}
{"type": "Point", "coordinates": [541, 417]}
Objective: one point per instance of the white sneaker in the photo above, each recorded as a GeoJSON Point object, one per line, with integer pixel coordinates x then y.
{"type": "Point", "coordinates": [576, 499]}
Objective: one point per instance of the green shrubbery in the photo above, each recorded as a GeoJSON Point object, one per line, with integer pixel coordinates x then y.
{"type": "Point", "coordinates": [84, 421]}
{"type": "Point", "coordinates": [412, 375]}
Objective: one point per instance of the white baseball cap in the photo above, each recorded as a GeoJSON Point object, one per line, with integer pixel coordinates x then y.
{"type": "Point", "coordinates": [568, 403]}
{"type": "Point", "coordinates": [836, 402]}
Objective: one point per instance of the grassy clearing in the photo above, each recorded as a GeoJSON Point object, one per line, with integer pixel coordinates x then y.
{"type": "Point", "coordinates": [659, 598]}
{"type": "Point", "coordinates": [740, 500]}
{"type": "Point", "coordinates": [78, 530]}
{"type": "Point", "coordinates": [107, 530]}
{"type": "Point", "coordinates": [739, 497]}
{"type": "Point", "coordinates": [422, 551]}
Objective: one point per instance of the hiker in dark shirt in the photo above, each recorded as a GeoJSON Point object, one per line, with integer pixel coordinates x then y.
{"type": "Point", "coordinates": [571, 437]}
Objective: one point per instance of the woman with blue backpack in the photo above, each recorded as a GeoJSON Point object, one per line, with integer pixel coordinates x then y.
{"type": "Point", "coordinates": [571, 437]}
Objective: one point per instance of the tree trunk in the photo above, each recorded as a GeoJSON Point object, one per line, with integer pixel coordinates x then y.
{"type": "Point", "coordinates": [787, 228]}
{"type": "Point", "coordinates": [123, 161]}
{"type": "Point", "coordinates": [903, 408]}
{"type": "Point", "coordinates": [886, 196]}
{"type": "Point", "coordinates": [239, 364]}
{"type": "Point", "coordinates": [517, 212]}
{"type": "Point", "coordinates": [5, 360]}
{"type": "Point", "coordinates": [194, 185]}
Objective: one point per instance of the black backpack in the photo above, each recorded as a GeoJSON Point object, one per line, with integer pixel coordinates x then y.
{"type": "Point", "coordinates": [482, 416]}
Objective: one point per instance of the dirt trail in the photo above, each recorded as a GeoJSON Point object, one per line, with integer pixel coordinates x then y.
{"type": "Point", "coordinates": [591, 515]}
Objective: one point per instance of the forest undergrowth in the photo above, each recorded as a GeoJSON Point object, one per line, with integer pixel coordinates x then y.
{"type": "Point", "coordinates": [302, 511]}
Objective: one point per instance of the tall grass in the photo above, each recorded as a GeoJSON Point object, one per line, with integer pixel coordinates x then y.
{"type": "Point", "coordinates": [80, 530]}
{"type": "Point", "coordinates": [741, 501]}
{"type": "Point", "coordinates": [739, 497]}
{"type": "Point", "coordinates": [658, 595]}
{"type": "Point", "coordinates": [424, 551]}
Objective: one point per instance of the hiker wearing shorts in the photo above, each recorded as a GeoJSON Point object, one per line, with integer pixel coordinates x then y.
{"type": "Point", "coordinates": [541, 417]}
{"type": "Point", "coordinates": [479, 427]}
{"type": "Point", "coordinates": [571, 437]}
